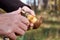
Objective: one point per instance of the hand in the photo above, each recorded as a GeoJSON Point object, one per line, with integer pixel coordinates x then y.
{"type": "Point", "coordinates": [26, 9]}
{"type": "Point", "coordinates": [13, 23]}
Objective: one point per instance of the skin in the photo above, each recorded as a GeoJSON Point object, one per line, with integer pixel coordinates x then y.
{"type": "Point", "coordinates": [26, 9]}
{"type": "Point", "coordinates": [14, 23]}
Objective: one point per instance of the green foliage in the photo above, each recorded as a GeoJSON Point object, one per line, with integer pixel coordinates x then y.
{"type": "Point", "coordinates": [42, 34]}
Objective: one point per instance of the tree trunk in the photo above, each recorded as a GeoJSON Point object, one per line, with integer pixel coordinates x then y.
{"type": "Point", "coordinates": [35, 5]}
{"type": "Point", "coordinates": [45, 3]}
{"type": "Point", "coordinates": [40, 4]}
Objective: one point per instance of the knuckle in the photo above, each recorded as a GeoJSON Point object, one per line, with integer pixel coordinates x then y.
{"type": "Point", "coordinates": [8, 32]}
{"type": "Point", "coordinates": [27, 22]}
{"type": "Point", "coordinates": [14, 38]}
{"type": "Point", "coordinates": [23, 32]}
{"type": "Point", "coordinates": [26, 28]}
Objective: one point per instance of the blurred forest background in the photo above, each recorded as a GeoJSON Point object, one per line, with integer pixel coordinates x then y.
{"type": "Point", "coordinates": [50, 28]}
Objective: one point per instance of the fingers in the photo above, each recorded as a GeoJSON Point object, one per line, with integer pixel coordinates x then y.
{"type": "Point", "coordinates": [26, 9]}
{"type": "Point", "coordinates": [32, 12]}
{"type": "Point", "coordinates": [24, 20]}
{"type": "Point", "coordinates": [12, 36]}
{"type": "Point", "coordinates": [22, 26]}
{"type": "Point", "coordinates": [19, 31]}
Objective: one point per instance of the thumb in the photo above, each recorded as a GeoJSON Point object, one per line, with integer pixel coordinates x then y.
{"type": "Point", "coordinates": [16, 11]}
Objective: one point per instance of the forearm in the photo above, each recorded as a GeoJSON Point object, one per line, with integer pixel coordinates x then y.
{"type": "Point", "coordinates": [11, 5]}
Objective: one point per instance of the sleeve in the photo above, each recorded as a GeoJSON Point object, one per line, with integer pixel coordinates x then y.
{"type": "Point", "coordinates": [11, 5]}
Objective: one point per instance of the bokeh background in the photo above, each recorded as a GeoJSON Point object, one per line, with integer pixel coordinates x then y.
{"type": "Point", "coordinates": [50, 28]}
